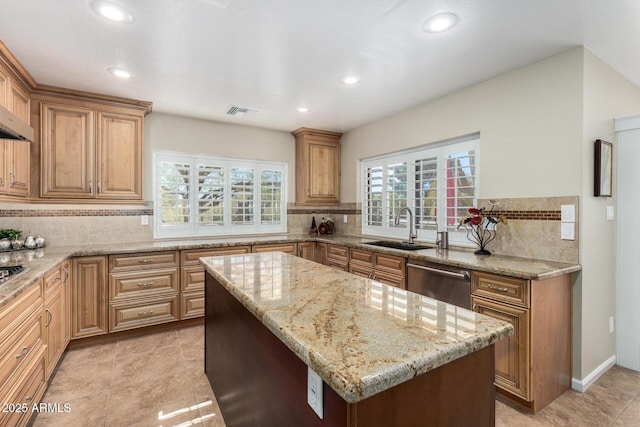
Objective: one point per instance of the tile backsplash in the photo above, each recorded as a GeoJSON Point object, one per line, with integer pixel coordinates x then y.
{"type": "Point", "coordinates": [532, 229]}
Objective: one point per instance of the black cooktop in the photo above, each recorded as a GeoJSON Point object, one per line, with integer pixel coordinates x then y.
{"type": "Point", "coordinates": [6, 271]}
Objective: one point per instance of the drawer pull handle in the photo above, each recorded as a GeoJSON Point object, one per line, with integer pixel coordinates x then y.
{"type": "Point", "coordinates": [145, 261]}
{"type": "Point", "coordinates": [497, 288]}
{"type": "Point", "coordinates": [28, 399]}
{"type": "Point", "coordinates": [144, 313]}
{"type": "Point", "coordinates": [145, 285]}
{"type": "Point", "coordinates": [25, 350]}
{"type": "Point", "coordinates": [66, 274]}
{"type": "Point", "coordinates": [50, 317]}
{"type": "Point", "coordinates": [56, 280]}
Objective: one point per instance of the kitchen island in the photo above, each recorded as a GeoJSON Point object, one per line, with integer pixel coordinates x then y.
{"type": "Point", "coordinates": [385, 356]}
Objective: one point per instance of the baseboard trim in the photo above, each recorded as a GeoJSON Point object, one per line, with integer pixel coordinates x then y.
{"type": "Point", "coordinates": [583, 385]}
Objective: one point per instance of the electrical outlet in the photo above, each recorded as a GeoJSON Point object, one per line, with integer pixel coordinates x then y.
{"type": "Point", "coordinates": [344, 219]}
{"type": "Point", "coordinates": [610, 213]}
{"type": "Point", "coordinates": [568, 213]}
{"type": "Point", "coordinates": [611, 325]}
{"type": "Point", "coordinates": [314, 392]}
{"type": "Point", "coordinates": [567, 231]}
{"type": "Point", "coordinates": [144, 219]}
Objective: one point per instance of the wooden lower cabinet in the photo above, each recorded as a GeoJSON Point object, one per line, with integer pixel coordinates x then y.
{"type": "Point", "coordinates": [338, 257]}
{"type": "Point", "coordinates": [533, 366]}
{"type": "Point", "coordinates": [388, 269]}
{"type": "Point", "coordinates": [321, 253]}
{"type": "Point", "coordinates": [22, 354]}
{"type": "Point", "coordinates": [137, 313]}
{"type": "Point", "coordinates": [55, 324]}
{"type": "Point", "coordinates": [192, 277]}
{"type": "Point", "coordinates": [512, 357]}
{"type": "Point", "coordinates": [288, 248]}
{"type": "Point", "coordinates": [90, 296]}
{"type": "Point", "coordinates": [307, 250]}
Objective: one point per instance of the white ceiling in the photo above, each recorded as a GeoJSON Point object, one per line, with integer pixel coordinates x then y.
{"type": "Point", "coordinates": [199, 57]}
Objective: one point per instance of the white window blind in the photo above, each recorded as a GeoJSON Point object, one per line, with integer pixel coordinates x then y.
{"type": "Point", "coordinates": [205, 196]}
{"type": "Point", "coordinates": [439, 183]}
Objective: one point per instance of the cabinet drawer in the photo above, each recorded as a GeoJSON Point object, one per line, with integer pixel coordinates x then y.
{"type": "Point", "coordinates": [140, 313]}
{"type": "Point", "coordinates": [391, 264]}
{"type": "Point", "coordinates": [338, 264]}
{"type": "Point", "coordinates": [142, 284]}
{"type": "Point", "coordinates": [192, 278]}
{"type": "Point", "coordinates": [289, 248]}
{"type": "Point", "coordinates": [362, 257]}
{"type": "Point", "coordinates": [390, 279]}
{"type": "Point", "coordinates": [501, 288]}
{"type": "Point", "coordinates": [19, 348]}
{"type": "Point", "coordinates": [132, 262]}
{"type": "Point", "coordinates": [192, 256]}
{"type": "Point", "coordinates": [17, 311]}
{"type": "Point", "coordinates": [338, 252]}
{"type": "Point", "coordinates": [192, 305]}
{"type": "Point", "coordinates": [52, 281]}
{"type": "Point", "coordinates": [28, 390]}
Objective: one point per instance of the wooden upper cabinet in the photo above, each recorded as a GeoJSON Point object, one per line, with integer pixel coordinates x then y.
{"type": "Point", "coordinates": [19, 102]}
{"type": "Point", "coordinates": [317, 167]}
{"type": "Point", "coordinates": [119, 155]}
{"type": "Point", "coordinates": [67, 136]}
{"type": "Point", "coordinates": [91, 151]}
{"type": "Point", "coordinates": [4, 88]}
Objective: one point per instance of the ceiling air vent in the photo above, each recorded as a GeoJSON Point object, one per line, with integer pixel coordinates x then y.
{"type": "Point", "coordinates": [239, 111]}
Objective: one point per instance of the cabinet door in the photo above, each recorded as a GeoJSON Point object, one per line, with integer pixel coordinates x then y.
{"type": "Point", "coordinates": [89, 297]}
{"type": "Point", "coordinates": [119, 156]}
{"type": "Point", "coordinates": [19, 102]}
{"type": "Point", "coordinates": [512, 353]}
{"type": "Point", "coordinates": [68, 140]}
{"type": "Point", "coordinates": [307, 250]}
{"type": "Point", "coordinates": [4, 173]}
{"type": "Point", "coordinates": [4, 89]}
{"type": "Point", "coordinates": [65, 270]}
{"type": "Point", "coordinates": [17, 167]}
{"type": "Point", "coordinates": [54, 328]}
{"type": "Point", "coordinates": [317, 167]}
{"type": "Point", "coordinates": [322, 250]}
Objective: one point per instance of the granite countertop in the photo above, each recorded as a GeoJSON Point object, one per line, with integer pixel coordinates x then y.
{"type": "Point", "coordinates": [361, 336]}
{"type": "Point", "coordinates": [38, 262]}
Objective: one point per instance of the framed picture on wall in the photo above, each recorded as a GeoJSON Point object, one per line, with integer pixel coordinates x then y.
{"type": "Point", "coordinates": [603, 182]}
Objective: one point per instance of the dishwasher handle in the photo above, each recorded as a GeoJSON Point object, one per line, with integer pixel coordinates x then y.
{"type": "Point", "coordinates": [464, 275]}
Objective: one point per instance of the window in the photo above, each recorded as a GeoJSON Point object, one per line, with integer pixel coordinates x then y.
{"type": "Point", "coordinates": [439, 183]}
{"type": "Point", "coordinates": [206, 196]}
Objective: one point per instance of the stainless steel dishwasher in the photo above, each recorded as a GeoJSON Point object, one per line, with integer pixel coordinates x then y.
{"type": "Point", "coordinates": [442, 282]}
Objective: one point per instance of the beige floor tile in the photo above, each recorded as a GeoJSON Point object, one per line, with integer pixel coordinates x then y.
{"type": "Point", "coordinates": [164, 400]}
{"type": "Point", "coordinates": [84, 411]}
{"type": "Point", "coordinates": [147, 343]}
{"type": "Point", "coordinates": [149, 365]}
{"type": "Point", "coordinates": [630, 417]}
{"type": "Point", "coordinates": [72, 382]}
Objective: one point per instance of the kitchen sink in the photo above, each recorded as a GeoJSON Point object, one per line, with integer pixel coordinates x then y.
{"type": "Point", "coordinates": [397, 245]}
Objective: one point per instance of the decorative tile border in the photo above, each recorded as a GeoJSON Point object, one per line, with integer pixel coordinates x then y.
{"type": "Point", "coordinates": [551, 215]}
{"type": "Point", "coordinates": [23, 213]}
{"type": "Point", "coordinates": [540, 215]}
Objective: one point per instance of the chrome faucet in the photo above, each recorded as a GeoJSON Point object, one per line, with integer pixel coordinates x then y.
{"type": "Point", "coordinates": [412, 231]}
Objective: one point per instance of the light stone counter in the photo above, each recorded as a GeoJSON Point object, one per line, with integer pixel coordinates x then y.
{"type": "Point", "coordinates": [40, 261]}
{"type": "Point", "coordinates": [361, 336]}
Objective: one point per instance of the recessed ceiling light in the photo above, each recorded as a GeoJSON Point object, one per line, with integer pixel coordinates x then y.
{"type": "Point", "coordinates": [350, 80]}
{"type": "Point", "coordinates": [303, 110]}
{"type": "Point", "coordinates": [440, 22]}
{"type": "Point", "coordinates": [121, 73]}
{"type": "Point", "coordinates": [111, 11]}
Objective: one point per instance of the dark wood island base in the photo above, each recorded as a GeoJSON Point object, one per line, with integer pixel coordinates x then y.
{"type": "Point", "coordinates": [258, 381]}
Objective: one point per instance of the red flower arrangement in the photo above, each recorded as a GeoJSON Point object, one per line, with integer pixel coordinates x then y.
{"type": "Point", "coordinates": [481, 227]}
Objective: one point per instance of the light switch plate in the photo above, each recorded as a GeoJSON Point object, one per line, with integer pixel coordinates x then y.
{"type": "Point", "coordinates": [344, 219]}
{"type": "Point", "coordinates": [567, 231]}
{"type": "Point", "coordinates": [568, 213]}
{"type": "Point", "coordinates": [610, 213]}
{"type": "Point", "coordinates": [144, 219]}
{"type": "Point", "coordinates": [314, 392]}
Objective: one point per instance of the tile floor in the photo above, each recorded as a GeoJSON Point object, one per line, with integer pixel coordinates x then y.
{"type": "Point", "coordinates": [158, 380]}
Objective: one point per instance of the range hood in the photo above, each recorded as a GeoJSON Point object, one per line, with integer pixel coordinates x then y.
{"type": "Point", "coordinates": [13, 127]}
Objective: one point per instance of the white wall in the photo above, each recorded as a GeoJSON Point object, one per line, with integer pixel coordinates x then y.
{"type": "Point", "coordinates": [188, 135]}
{"type": "Point", "coordinates": [607, 94]}
{"type": "Point", "coordinates": [537, 125]}
{"type": "Point", "coordinates": [529, 122]}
